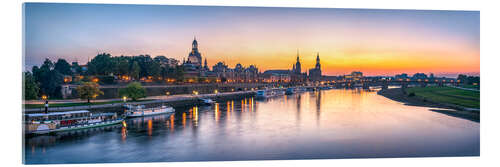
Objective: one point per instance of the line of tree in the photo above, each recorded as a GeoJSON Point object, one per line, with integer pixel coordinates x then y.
{"type": "Point", "coordinates": [468, 80]}
{"type": "Point", "coordinates": [48, 78]}
{"type": "Point", "coordinates": [134, 66]}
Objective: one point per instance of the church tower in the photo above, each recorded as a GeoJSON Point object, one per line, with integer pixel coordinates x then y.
{"type": "Point", "coordinates": [315, 73]}
{"type": "Point", "coordinates": [195, 56]}
{"type": "Point", "coordinates": [195, 45]}
{"type": "Point", "coordinates": [206, 66]}
{"type": "Point", "coordinates": [298, 69]}
{"type": "Point", "coordinates": [318, 65]}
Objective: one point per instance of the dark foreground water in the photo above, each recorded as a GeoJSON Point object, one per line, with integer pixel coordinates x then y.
{"type": "Point", "coordinates": [310, 125]}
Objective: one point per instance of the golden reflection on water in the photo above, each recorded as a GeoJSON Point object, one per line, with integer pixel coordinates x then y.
{"type": "Point", "coordinates": [183, 120]}
{"type": "Point", "coordinates": [232, 105]}
{"type": "Point", "coordinates": [124, 133]}
{"type": "Point", "coordinates": [150, 127]}
{"type": "Point", "coordinates": [242, 105]}
{"type": "Point", "coordinates": [216, 111]}
{"type": "Point", "coordinates": [195, 116]}
{"type": "Point", "coordinates": [251, 104]}
{"type": "Point", "coordinates": [172, 121]}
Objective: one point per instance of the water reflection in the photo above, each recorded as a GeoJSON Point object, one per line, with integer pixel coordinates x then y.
{"type": "Point", "coordinates": [324, 124]}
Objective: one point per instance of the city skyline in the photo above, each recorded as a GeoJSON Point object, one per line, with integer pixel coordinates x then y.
{"type": "Point", "coordinates": [376, 42]}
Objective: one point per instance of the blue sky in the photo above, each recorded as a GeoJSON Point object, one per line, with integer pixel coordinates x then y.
{"type": "Point", "coordinates": [257, 35]}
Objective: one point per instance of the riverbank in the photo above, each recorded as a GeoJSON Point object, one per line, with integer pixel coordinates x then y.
{"type": "Point", "coordinates": [152, 101]}
{"type": "Point", "coordinates": [397, 94]}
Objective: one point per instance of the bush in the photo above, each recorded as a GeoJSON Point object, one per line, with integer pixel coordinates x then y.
{"type": "Point", "coordinates": [411, 94]}
{"type": "Point", "coordinates": [134, 91]}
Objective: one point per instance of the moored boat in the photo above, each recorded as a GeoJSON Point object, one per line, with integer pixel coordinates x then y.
{"type": "Point", "coordinates": [268, 93]}
{"type": "Point", "coordinates": [43, 123]}
{"type": "Point", "coordinates": [140, 110]}
{"type": "Point", "coordinates": [207, 101]}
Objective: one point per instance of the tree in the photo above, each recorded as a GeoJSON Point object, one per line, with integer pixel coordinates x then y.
{"type": "Point", "coordinates": [101, 64]}
{"type": "Point", "coordinates": [135, 70]}
{"type": "Point", "coordinates": [88, 90]}
{"type": "Point", "coordinates": [134, 91]}
{"type": "Point", "coordinates": [121, 65]}
{"type": "Point", "coordinates": [76, 68]}
{"type": "Point", "coordinates": [462, 78]}
{"type": "Point", "coordinates": [30, 87]}
{"type": "Point", "coordinates": [49, 80]}
{"type": "Point", "coordinates": [63, 67]}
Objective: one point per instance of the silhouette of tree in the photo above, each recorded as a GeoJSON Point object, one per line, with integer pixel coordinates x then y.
{"type": "Point", "coordinates": [134, 91]}
{"type": "Point", "coordinates": [50, 80]}
{"type": "Point", "coordinates": [88, 90]}
{"type": "Point", "coordinates": [63, 67]}
{"type": "Point", "coordinates": [30, 87]}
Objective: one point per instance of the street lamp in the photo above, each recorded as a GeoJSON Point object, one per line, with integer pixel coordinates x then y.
{"type": "Point", "coordinates": [44, 97]}
{"type": "Point", "coordinates": [216, 91]}
{"type": "Point", "coordinates": [124, 98]}
{"type": "Point", "coordinates": [167, 93]}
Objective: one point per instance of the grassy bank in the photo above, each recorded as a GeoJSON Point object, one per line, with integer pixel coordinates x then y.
{"type": "Point", "coordinates": [448, 95]}
{"type": "Point", "coordinates": [397, 94]}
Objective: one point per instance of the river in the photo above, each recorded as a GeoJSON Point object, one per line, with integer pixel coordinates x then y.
{"type": "Point", "coordinates": [334, 123]}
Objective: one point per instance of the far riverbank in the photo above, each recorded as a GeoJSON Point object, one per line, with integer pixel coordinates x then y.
{"type": "Point", "coordinates": [397, 94]}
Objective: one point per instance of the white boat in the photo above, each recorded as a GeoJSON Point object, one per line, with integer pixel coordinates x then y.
{"type": "Point", "coordinates": [42, 123]}
{"type": "Point", "coordinates": [140, 110]}
{"type": "Point", "coordinates": [262, 94]}
{"type": "Point", "coordinates": [207, 101]}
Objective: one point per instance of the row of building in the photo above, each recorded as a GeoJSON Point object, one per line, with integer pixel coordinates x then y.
{"type": "Point", "coordinates": [195, 68]}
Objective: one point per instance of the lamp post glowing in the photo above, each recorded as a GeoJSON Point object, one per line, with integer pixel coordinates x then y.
{"type": "Point", "coordinates": [124, 98]}
{"type": "Point", "coordinates": [167, 93]}
{"type": "Point", "coordinates": [44, 97]}
{"type": "Point", "coordinates": [216, 91]}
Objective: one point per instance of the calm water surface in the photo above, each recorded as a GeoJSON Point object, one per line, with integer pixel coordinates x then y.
{"type": "Point", "coordinates": [310, 125]}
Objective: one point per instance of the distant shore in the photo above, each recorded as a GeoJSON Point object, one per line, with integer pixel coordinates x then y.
{"type": "Point", "coordinates": [397, 94]}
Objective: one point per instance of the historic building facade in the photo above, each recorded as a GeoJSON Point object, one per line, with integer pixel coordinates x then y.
{"type": "Point", "coordinates": [194, 71]}
{"type": "Point", "coordinates": [315, 73]}
{"type": "Point", "coordinates": [296, 74]}
{"type": "Point", "coordinates": [236, 74]}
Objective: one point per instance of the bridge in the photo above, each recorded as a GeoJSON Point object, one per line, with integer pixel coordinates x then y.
{"type": "Point", "coordinates": [384, 84]}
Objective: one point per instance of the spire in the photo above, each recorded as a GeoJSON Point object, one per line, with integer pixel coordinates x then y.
{"type": "Point", "coordinates": [297, 55]}
{"type": "Point", "coordinates": [318, 65]}
{"type": "Point", "coordinates": [195, 44]}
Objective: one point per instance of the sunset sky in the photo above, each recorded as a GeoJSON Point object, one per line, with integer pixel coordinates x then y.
{"type": "Point", "coordinates": [376, 42]}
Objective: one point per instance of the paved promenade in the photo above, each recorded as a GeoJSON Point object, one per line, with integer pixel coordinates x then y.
{"type": "Point", "coordinates": [151, 100]}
